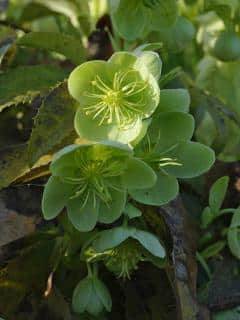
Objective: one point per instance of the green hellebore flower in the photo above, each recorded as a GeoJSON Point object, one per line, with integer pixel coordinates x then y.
{"type": "Point", "coordinates": [92, 181]}
{"type": "Point", "coordinates": [136, 18]}
{"type": "Point", "coordinates": [169, 151]}
{"type": "Point", "coordinates": [115, 96]}
{"type": "Point", "coordinates": [92, 296]}
{"type": "Point", "coordinates": [122, 248]}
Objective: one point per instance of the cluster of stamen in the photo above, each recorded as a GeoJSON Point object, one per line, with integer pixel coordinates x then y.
{"type": "Point", "coordinates": [93, 178]}
{"type": "Point", "coordinates": [124, 259]}
{"type": "Point", "coordinates": [120, 103]}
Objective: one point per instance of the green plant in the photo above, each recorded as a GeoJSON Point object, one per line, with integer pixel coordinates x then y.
{"type": "Point", "coordinates": [230, 235]}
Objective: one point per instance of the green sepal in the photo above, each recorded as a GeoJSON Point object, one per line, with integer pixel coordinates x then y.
{"type": "Point", "coordinates": [195, 159]}
{"type": "Point", "coordinates": [111, 211]}
{"type": "Point", "coordinates": [55, 196]}
{"type": "Point", "coordinates": [83, 216]}
{"type": "Point", "coordinates": [150, 242]}
{"type": "Point", "coordinates": [165, 189]}
{"type": "Point", "coordinates": [109, 239]}
{"type": "Point", "coordinates": [138, 175]}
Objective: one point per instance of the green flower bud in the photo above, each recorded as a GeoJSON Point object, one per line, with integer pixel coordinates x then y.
{"type": "Point", "coordinates": [227, 46]}
{"type": "Point", "coordinates": [92, 296]}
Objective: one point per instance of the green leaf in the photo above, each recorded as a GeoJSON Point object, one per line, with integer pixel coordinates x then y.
{"type": "Point", "coordinates": [150, 242]}
{"type": "Point", "coordinates": [164, 14]}
{"type": "Point", "coordinates": [195, 159]}
{"type": "Point", "coordinates": [217, 193]}
{"type": "Point", "coordinates": [165, 190]}
{"type": "Point", "coordinates": [138, 175]}
{"type": "Point", "coordinates": [103, 293]}
{"type": "Point", "coordinates": [130, 23]}
{"type": "Point", "coordinates": [213, 249]}
{"type": "Point", "coordinates": [24, 82]}
{"type": "Point", "coordinates": [207, 217]}
{"type": "Point", "coordinates": [109, 239]}
{"type": "Point", "coordinates": [131, 211]}
{"type": "Point", "coordinates": [83, 215]}
{"type": "Point", "coordinates": [53, 123]}
{"type": "Point", "coordinates": [233, 236]}
{"type": "Point", "coordinates": [69, 46]}
{"type": "Point", "coordinates": [174, 100]}
{"type": "Point", "coordinates": [82, 295]}
{"type": "Point", "coordinates": [111, 211]}
{"type": "Point", "coordinates": [55, 196]}
{"type": "Point", "coordinates": [13, 163]}
{"type": "Point", "coordinates": [177, 37]}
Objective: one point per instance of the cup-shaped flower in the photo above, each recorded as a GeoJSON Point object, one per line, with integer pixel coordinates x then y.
{"type": "Point", "coordinates": [91, 296]}
{"type": "Point", "coordinates": [122, 248]}
{"type": "Point", "coordinates": [114, 96]}
{"type": "Point", "coordinates": [136, 18]}
{"type": "Point", "coordinates": [92, 180]}
{"type": "Point", "coordinates": [169, 151]}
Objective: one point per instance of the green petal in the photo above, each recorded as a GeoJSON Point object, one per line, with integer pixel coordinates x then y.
{"type": "Point", "coordinates": [82, 295]}
{"type": "Point", "coordinates": [131, 211]}
{"type": "Point", "coordinates": [79, 81]}
{"type": "Point", "coordinates": [150, 242]}
{"type": "Point", "coordinates": [174, 100]}
{"type": "Point", "coordinates": [95, 306]}
{"type": "Point", "coordinates": [83, 218]}
{"type": "Point", "coordinates": [168, 129]}
{"type": "Point", "coordinates": [113, 210]}
{"type": "Point", "coordinates": [103, 293]}
{"type": "Point", "coordinates": [195, 158]}
{"type": "Point", "coordinates": [55, 196]}
{"type": "Point", "coordinates": [164, 190]}
{"type": "Point", "coordinates": [151, 61]}
{"type": "Point", "coordinates": [111, 238]}
{"type": "Point", "coordinates": [139, 175]}
{"type": "Point", "coordinates": [90, 129]}
{"type": "Point", "coordinates": [122, 59]}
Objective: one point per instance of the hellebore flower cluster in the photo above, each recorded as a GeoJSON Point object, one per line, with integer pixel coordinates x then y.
{"type": "Point", "coordinates": [92, 181]}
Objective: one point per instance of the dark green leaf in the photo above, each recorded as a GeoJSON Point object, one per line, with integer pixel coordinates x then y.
{"type": "Point", "coordinates": [53, 123]}
{"type": "Point", "coordinates": [24, 82]}
{"type": "Point", "coordinates": [69, 46]}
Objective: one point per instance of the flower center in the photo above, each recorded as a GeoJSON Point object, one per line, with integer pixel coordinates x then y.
{"type": "Point", "coordinates": [123, 259]}
{"type": "Point", "coordinates": [122, 102]}
{"type": "Point", "coordinates": [96, 178]}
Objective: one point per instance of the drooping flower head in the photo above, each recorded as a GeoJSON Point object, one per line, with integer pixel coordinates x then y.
{"type": "Point", "coordinates": [91, 181]}
{"type": "Point", "coordinates": [122, 248]}
{"type": "Point", "coordinates": [114, 96]}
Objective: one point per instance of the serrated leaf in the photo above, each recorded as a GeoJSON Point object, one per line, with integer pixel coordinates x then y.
{"type": "Point", "coordinates": [24, 82]}
{"type": "Point", "coordinates": [217, 193]}
{"type": "Point", "coordinates": [53, 123]}
{"type": "Point", "coordinates": [13, 163]}
{"type": "Point", "coordinates": [69, 46]}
